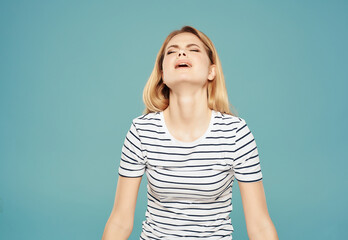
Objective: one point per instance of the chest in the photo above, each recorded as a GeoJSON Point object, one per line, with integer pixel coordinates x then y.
{"type": "Point", "coordinates": [198, 173]}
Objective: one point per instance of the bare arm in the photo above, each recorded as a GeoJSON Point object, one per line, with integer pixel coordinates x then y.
{"type": "Point", "coordinates": [258, 222]}
{"type": "Point", "coordinates": [120, 223]}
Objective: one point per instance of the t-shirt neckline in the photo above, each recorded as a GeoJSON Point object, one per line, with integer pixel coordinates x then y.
{"type": "Point", "coordinates": [205, 134]}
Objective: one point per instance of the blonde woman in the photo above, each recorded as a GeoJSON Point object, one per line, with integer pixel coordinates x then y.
{"type": "Point", "coordinates": [192, 148]}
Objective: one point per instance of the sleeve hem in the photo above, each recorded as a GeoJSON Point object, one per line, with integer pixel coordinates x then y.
{"type": "Point", "coordinates": [257, 180]}
{"type": "Point", "coordinates": [129, 176]}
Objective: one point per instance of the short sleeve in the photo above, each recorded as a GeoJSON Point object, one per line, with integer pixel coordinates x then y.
{"type": "Point", "coordinates": [132, 162]}
{"type": "Point", "coordinates": [246, 162]}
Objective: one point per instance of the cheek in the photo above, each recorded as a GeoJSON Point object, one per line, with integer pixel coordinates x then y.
{"type": "Point", "coordinates": [204, 66]}
{"type": "Point", "coordinates": [164, 68]}
{"type": "Point", "coordinates": [165, 64]}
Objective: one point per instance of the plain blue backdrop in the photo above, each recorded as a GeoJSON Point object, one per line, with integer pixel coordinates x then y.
{"type": "Point", "coordinates": [71, 80]}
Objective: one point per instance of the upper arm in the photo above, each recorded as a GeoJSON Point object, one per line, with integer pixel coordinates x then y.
{"type": "Point", "coordinates": [125, 200]}
{"type": "Point", "coordinates": [130, 172]}
{"type": "Point", "coordinates": [254, 205]}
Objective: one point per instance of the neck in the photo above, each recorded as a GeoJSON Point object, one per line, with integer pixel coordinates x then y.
{"type": "Point", "coordinates": [188, 110]}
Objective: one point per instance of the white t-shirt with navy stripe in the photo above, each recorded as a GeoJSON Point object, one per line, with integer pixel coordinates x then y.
{"type": "Point", "coordinates": [189, 185]}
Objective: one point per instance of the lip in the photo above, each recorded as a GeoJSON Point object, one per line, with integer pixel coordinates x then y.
{"type": "Point", "coordinates": [182, 61]}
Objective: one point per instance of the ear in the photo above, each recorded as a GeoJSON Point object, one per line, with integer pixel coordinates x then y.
{"type": "Point", "coordinates": [212, 72]}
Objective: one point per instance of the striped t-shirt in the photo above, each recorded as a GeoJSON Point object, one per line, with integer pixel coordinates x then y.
{"type": "Point", "coordinates": [189, 187]}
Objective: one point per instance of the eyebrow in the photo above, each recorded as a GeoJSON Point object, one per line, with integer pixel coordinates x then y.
{"type": "Point", "coordinates": [188, 45]}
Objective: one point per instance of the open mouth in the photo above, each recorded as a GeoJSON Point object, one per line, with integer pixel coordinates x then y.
{"type": "Point", "coordinates": [183, 65]}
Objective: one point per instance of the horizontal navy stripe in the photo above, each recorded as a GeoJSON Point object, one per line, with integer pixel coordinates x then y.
{"type": "Point", "coordinates": [185, 183]}
{"type": "Point", "coordinates": [134, 157]}
{"type": "Point", "coordinates": [186, 189]}
{"type": "Point", "coordinates": [205, 176]}
{"type": "Point", "coordinates": [221, 137]}
{"type": "Point", "coordinates": [124, 160]}
{"type": "Point", "coordinates": [190, 225]}
{"type": "Point", "coordinates": [249, 165]}
{"type": "Point", "coordinates": [222, 130]}
{"type": "Point", "coordinates": [221, 207]}
{"type": "Point", "coordinates": [185, 154]}
{"type": "Point", "coordinates": [225, 124]}
{"type": "Point", "coordinates": [187, 160]}
{"type": "Point", "coordinates": [211, 167]}
{"type": "Point", "coordinates": [148, 124]}
{"type": "Point", "coordinates": [187, 229]}
{"type": "Point", "coordinates": [132, 170]}
{"type": "Point", "coordinates": [186, 203]}
{"type": "Point", "coordinates": [192, 215]}
{"type": "Point", "coordinates": [193, 220]}
{"type": "Point", "coordinates": [188, 147]}
{"type": "Point", "coordinates": [154, 138]}
{"type": "Point", "coordinates": [149, 130]}
{"type": "Point", "coordinates": [190, 183]}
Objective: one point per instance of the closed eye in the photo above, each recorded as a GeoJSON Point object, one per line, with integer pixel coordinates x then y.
{"type": "Point", "coordinates": [192, 50]}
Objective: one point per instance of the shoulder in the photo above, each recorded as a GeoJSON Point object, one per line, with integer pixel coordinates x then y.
{"type": "Point", "coordinates": [149, 118]}
{"type": "Point", "coordinates": [229, 120]}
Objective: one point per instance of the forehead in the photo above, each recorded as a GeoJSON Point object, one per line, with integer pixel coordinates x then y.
{"type": "Point", "coordinates": [184, 39]}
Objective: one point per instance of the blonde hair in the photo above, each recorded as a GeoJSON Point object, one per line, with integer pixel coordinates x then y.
{"type": "Point", "coordinates": [156, 93]}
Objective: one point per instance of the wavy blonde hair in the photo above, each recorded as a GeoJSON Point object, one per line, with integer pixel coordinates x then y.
{"type": "Point", "coordinates": [156, 93]}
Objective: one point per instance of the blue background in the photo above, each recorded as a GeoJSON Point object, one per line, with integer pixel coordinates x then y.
{"type": "Point", "coordinates": [72, 75]}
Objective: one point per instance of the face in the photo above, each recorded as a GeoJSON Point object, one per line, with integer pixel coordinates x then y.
{"type": "Point", "coordinates": [186, 60]}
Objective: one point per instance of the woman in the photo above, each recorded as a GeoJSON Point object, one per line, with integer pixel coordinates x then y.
{"type": "Point", "coordinates": [192, 148]}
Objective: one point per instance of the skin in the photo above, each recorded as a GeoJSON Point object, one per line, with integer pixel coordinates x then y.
{"type": "Point", "coordinates": [187, 117]}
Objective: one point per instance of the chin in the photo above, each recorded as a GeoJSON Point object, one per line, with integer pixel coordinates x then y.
{"type": "Point", "coordinates": [185, 82]}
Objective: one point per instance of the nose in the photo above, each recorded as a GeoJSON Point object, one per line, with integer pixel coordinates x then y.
{"type": "Point", "coordinates": [181, 53]}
